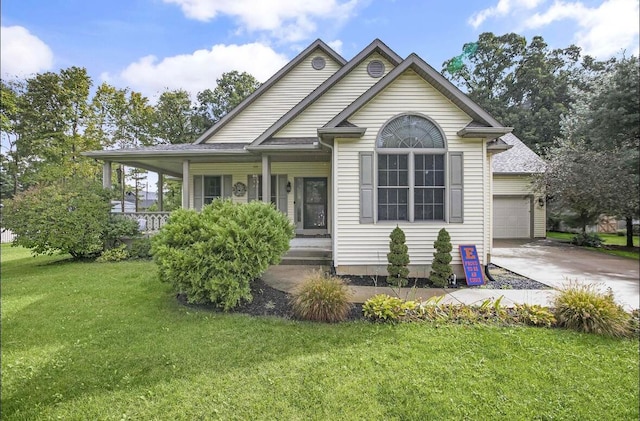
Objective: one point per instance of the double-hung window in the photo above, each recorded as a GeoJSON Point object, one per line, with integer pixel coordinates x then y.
{"type": "Point", "coordinates": [207, 188]}
{"type": "Point", "coordinates": [411, 170]}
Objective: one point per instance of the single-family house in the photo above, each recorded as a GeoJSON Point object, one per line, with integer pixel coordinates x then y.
{"type": "Point", "coordinates": [350, 149]}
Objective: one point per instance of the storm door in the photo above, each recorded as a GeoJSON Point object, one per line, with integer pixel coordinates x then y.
{"type": "Point", "coordinates": [315, 203]}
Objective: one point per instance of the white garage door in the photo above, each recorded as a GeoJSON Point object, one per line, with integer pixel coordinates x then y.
{"type": "Point", "coordinates": [511, 217]}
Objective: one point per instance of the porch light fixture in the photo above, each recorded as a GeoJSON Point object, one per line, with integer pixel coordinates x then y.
{"type": "Point", "coordinates": [541, 202]}
{"type": "Point", "coordinates": [288, 186]}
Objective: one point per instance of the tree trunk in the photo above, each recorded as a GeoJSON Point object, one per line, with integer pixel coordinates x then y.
{"type": "Point", "coordinates": [629, 221]}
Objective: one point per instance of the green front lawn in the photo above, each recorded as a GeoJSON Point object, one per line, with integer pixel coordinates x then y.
{"type": "Point", "coordinates": [108, 341]}
{"type": "Point", "coordinates": [608, 240]}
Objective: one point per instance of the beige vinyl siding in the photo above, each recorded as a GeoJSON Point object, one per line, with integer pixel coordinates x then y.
{"type": "Point", "coordinates": [520, 185]}
{"type": "Point", "coordinates": [368, 244]}
{"type": "Point", "coordinates": [240, 171]}
{"type": "Point", "coordinates": [334, 100]}
{"type": "Point", "coordinates": [276, 101]}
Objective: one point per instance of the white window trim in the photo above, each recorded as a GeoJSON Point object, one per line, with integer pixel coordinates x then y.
{"type": "Point", "coordinates": [411, 180]}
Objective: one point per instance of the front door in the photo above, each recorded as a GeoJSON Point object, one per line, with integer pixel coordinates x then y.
{"type": "Point", "coordinates": [314, 203]}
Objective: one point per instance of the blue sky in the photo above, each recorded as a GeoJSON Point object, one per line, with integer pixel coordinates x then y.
{"type": "Point", "coordinates": [151, 45]}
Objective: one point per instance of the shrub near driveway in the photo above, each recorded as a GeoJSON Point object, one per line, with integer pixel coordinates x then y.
{"type": "Point", "coordinates": [213, 255]}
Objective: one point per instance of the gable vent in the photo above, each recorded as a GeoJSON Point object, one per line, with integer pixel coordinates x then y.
{"type": "Point", "coordinates": [318, 63]}
{"type": "Point", "coordinates": [375, 68]}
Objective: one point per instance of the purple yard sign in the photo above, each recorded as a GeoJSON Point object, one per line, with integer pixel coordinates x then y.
{"type": "Point", "coordinates": [471, 264]}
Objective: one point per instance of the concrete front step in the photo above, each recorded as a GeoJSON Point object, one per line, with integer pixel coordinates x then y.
{"type": "Point", "coordinates": [307, 256]}
{"type": "Point", "coordinates": [306, 260]}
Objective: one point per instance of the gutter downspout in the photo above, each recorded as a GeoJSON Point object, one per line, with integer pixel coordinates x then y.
{"type": "Point", "coordinates": [334, 202]}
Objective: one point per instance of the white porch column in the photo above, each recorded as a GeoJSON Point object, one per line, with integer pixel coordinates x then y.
{"type": "Point", "coordinates": [106, 174]}
{"type": "Point", "coordinates": [266, 179]}
{"type": "Point", "coordinates": [160, 195]}
{"type": "Point", "coordinates": [185, 184]}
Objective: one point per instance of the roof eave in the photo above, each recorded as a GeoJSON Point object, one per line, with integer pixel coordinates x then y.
{"type": "Point", "coordinates": [341, 132]}
{"type": "Point", "coordinates": [518, 173]}
{"type": "Point", "coordinates": [161, 154]}
{"type": "Point", "coordinates": [484, 132]}
{"type": "Point", "coordinates": [284, 148]}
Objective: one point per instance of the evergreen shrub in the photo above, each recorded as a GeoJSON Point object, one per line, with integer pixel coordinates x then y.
{"type": "Point", "coordinates": [213, 255]}
{"type": "Point", "coordinates": [398, 258]}
{"type": "Point", "coordinates": [441, 266]}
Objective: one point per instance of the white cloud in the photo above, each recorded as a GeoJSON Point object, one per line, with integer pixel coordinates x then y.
{"type": "Point", "coordinates": [603, 31]}
{"type": "Point", "coordinates": [503, 8]}
{"type": "Point", "coordinates": [336, 45]}
{"type": "Point", "coordinates": [22, 53]}
{"type": "Point", "coordinates": [286, 20]}
{"type": "Point", "coordinates": [199, 70]}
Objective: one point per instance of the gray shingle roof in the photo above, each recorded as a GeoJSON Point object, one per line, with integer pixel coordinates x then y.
{"type": "Point", "coordinates": [517, 160]}
{"type": "Point", "coordinates": [187, 147]}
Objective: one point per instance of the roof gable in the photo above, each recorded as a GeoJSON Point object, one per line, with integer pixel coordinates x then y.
{"type": "Point", "coordinates": [376, 46]}
{"type": "Point", "coordinates": [430, 75]}
{"type": "Point", "coordinates": [317, 45]}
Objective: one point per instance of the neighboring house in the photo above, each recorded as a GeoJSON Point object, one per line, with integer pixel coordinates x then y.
{"type": "Point", "coordinates": [517, 211]}
{"type": "Point", "coordinates": [349, 150]}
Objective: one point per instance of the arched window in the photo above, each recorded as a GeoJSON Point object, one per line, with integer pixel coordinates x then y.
{"type": "Point", "coordinates": [411, 170]}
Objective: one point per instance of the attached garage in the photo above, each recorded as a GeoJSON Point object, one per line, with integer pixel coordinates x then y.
{"type": "Point", "coordinates": [518, 211]}
{"type": "Point", "coordinates": [512, 217]}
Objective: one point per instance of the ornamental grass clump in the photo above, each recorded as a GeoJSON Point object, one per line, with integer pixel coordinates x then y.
{"type": "Point", "coordinates": [585, 309]}
{"type": "Point", "coordinates": [321, 298]}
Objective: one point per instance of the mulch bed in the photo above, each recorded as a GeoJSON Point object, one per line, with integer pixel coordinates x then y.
{"type": "Point", "coordinates": [267, 301]}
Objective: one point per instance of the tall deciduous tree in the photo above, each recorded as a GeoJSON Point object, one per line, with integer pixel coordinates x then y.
{"type": "Point", "coordinates": [53, 116]}
{"type": "Point", "coordinates": [9, 135]}
{"type": "Point", "coordinates": [174, 118]}
{"type": "Point", "coordinates": [231, 89]}
{"type": "Point", "coordinates": [524, 85]}
{"type": "Point", "coordinates": [593, 168]}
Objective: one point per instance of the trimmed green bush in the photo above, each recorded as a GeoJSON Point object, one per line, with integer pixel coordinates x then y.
{"type": "Point", "coordinates": [398, 258]}
{"type": "Point", "coordinates": [441, 266]}
{"type": "Point", "coordinates": [321, 298]}
{"type": "Point", "coordinates": [118, 227]}
{"type": "Point", "coordinates": [585, 309]}
{"type": "Point", "coordinates": [69, 216]}
{"type": "Point", "coordinates": [213, 255]}
{"type": "Point", "coordinates": [141, 248]}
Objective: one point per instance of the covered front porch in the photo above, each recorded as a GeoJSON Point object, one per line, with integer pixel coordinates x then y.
{"type": "Point", "coordinates": [297, 179]}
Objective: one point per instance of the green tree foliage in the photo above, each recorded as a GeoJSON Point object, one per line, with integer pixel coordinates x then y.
{"type": "Point", "coordinates": [54, 112]}
{"type": "Point", "coordinates": [441, 266]}
{"type": "Point", "coordinates": [524, 85]}
{"type": "Point", "coordinates": [9, 117]}
{"type": "Point", "coordinates": [213, 255]}
{"type": "Point", "coordinates": [231, 89]}
{"type": "Point", "coordinates": [398, 258]}
{"type": "Point", "coordinates": [174, 118]}
{"type": "Point", "coordinates": [66, 216]}
{"type": "Point", "coordinates": [593, 169]}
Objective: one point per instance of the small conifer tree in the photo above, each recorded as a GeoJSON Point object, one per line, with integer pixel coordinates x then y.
{"type": "Point", "coordinates": [441, 266]}
{"type": "Point", "coordinates": [398, 258]}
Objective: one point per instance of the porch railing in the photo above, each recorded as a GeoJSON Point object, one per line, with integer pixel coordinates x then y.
{"type": "Point", "coordinates": [147, 221]}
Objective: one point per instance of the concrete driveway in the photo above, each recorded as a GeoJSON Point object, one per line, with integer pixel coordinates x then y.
{"type": "Point", "coordinates": [555, 264]}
